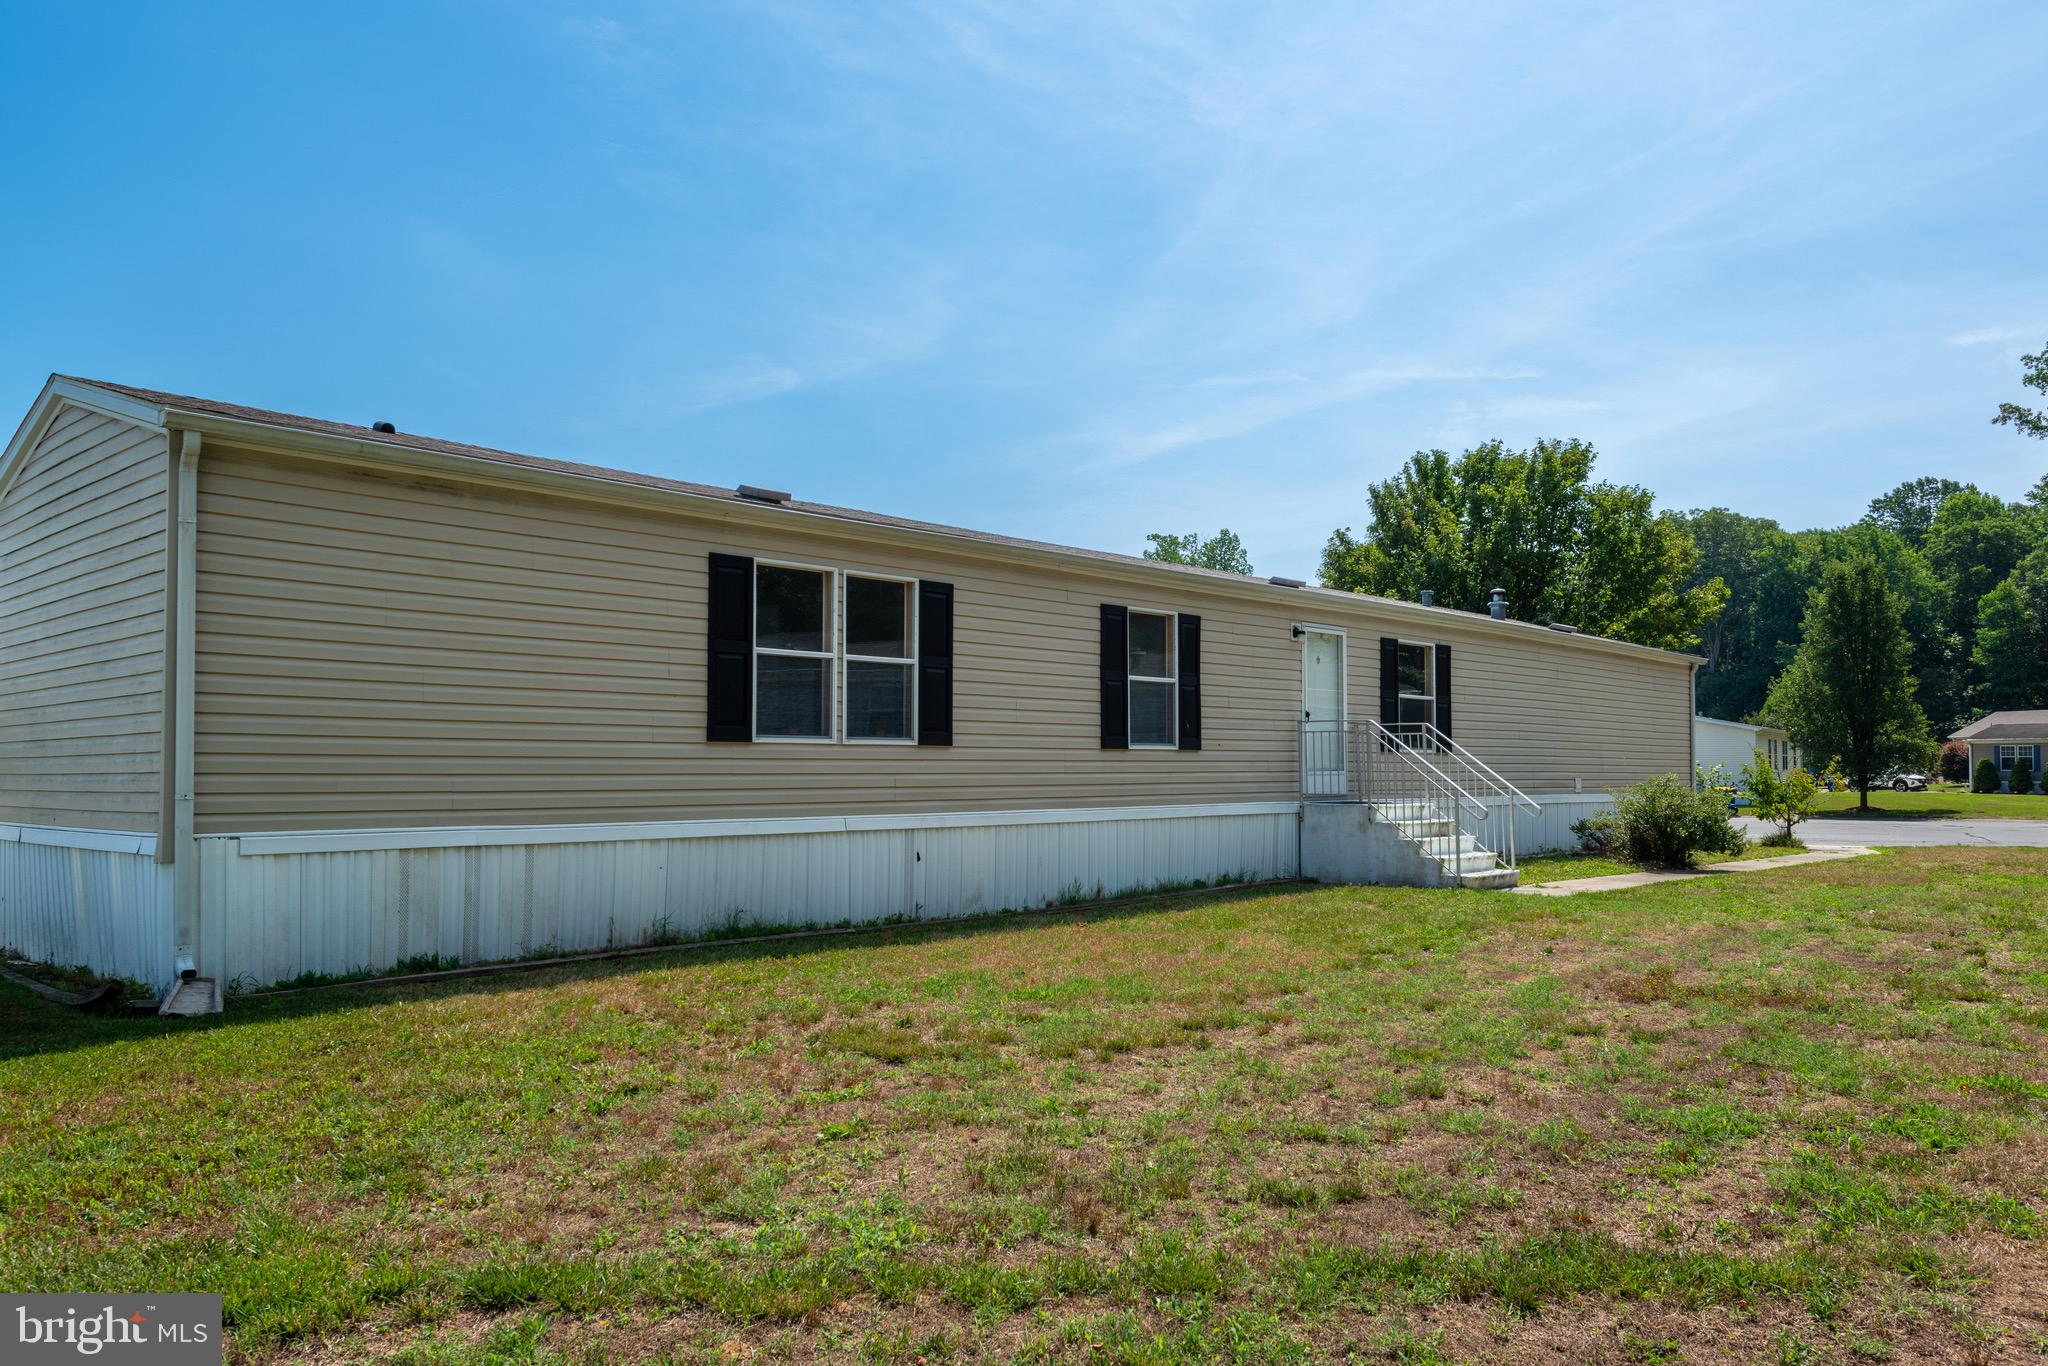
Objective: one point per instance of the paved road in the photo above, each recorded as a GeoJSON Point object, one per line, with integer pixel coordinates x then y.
{"type": "Point", "coordinates": [1849, 830]}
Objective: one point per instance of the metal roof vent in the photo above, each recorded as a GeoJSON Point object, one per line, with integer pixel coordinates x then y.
{"type": "Point", "coordinates": [1278, 582]}
{"type": "Point", "coordinates": [1498, 606]}
{"type": "Point", "coordinates": [384, 427]}
{"type": "Point", "coordinates": [762, 495]}
{"type": "Point", "coordinates": [1560, 626]}
{"type": "Point", "coordinates": [1429, 597]}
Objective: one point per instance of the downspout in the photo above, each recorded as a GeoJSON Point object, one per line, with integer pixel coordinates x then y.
{"type": "Point", "coordinates": [1692, 731]}
{"type": "Point", "coordinates": [185, 856]}
{"type": "Point", "coordinates": [167, 765]}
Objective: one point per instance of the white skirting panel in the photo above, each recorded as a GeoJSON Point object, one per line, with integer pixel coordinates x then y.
{"type": "Point", "coordinates": [1549, 829]}
{"type": "Point", "coordinates": [274, 906]}
{"type": "Point", "coordinates": [90, 898]}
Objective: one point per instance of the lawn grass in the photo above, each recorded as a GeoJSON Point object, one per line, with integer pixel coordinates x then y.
{"type": "Point", "coordinates": [1797, 1115]}
{"type": "Point", "coordinates": [1953, 803]}
{"type": "Point", "coordinates": [1542, 868]}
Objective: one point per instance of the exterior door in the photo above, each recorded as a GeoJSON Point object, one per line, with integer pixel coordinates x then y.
{"type": "Point", "coordinates": [1323, 742]}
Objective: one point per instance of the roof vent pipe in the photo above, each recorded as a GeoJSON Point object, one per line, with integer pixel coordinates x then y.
{"type": "Point", "coordinates": [1429, 597]}
{"type": "Point", "coordinates": [1498, 607]}
{"type": "Point", "coordinates": [384, 427]}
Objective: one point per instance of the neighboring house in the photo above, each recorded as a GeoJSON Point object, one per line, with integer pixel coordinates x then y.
{"type": "Point", "coordinates": [2006, 737]}
{"type": "Point", "coordinates": [283, 695]}
{"type": "Point", "coordinates": [1731, 744]}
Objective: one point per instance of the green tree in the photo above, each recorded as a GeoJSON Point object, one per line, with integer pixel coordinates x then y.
{"type": "Point", "coordinates": [1939, 662]}
{"type": "Point", "coordinates": [1909, 509]}
{"type": "Point", "coordinates": [2012, 638]}
{"type": "Point", "coordinates": [1849, 690]}
{"type": "Point", "coordinates": [1974, 544]}
{"type": "Point", "coordinates": [1785, 800]}
{"type": "Point", "coordinates": [1754, 636]}
{"type": "Point", "coordinates": [1535, 523]}
{"type": "Point", "coordinates": [1222, 551]}
{"type": "Point", "coordinates": [2032, 422]}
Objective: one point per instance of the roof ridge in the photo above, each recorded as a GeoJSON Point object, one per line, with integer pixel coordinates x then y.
{"type": "Point", "coordinates": [440, 445]}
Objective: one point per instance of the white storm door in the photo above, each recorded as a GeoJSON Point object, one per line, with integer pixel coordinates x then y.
{"type": "Point", "coordinates": [1322, 712]}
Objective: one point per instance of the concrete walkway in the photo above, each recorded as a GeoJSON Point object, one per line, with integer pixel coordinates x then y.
{"type": "Point", "coordinates": [1898, 830]}
{"type": "Point", "coordinates": [1618, 881]}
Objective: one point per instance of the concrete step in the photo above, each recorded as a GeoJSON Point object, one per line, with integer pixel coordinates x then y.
{"type": "Point", "coordinates": [1494, 879]}
{"type": "Point", "coordinates": [1443, 846]}
{"type": "Point", "coordinates": [1472, 861]}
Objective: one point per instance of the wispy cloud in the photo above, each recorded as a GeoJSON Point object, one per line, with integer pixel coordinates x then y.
{"type": "Point", "coordinates": [1189, 418]}
{"type": "Point", "coordinates": [1999, 336]}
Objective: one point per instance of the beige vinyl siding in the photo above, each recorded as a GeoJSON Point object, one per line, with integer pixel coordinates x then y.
{"type": "Point", "coordinates": [82, 530]}
{"type": "Point", "coordinates": [375, 650]}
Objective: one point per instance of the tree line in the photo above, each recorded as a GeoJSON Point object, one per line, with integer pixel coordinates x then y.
{"type": "Point", "coordinates": [1963, 572]}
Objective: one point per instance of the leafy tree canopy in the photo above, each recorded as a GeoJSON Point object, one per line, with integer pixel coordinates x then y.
{"type": "Point", "coordinates": [1222, 551]}
{"type": "Point", "coordinates": [2012, 637]}
{"type": "Point", "coordinates": [1849, 690]}
{"type": "Point", "coordinates": [1756, 632]}
{"type": "Point", "coordinates": [2031, 421]}
{"type": "Point", "coordinates": [1909, 509]}
{"type": "Point", "coordinates": [1939, 661]}
{"type": "Point", "coordinates": [1535, 523]}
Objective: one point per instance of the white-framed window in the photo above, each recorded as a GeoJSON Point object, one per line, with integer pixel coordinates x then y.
{"type": "Point", "coordinates": [2008, 755]}
{"type": "Point", "coordinates": [1415, 707]}
{"type": "Point", "coordinates": [793, 652]}
{"type": "Point", "coordinates": [1154, 680]}
{"type": "Point", "coordinates": [880, 660]}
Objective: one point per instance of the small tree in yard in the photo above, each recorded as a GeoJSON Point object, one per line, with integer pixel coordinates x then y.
{"type": "Point", "coordinates": [1986, 779]}
{"type": "Point", "coordinates": [1783, 801]}
{"type": "Point", "coordinates": [1848, 691]}
{"type": "Point", "coordinates": [2022, 779]}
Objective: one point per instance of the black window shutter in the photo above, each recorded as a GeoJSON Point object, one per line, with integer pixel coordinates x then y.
{"type": "Point", "coordinates": [934, 663]}
{"type": "Point", "coordinates": [1116, 677]}
{"type": "Point", "coordinates": [1190, 681]}
{"type": "Point", "coordinates": [1443, 690]}
{"type": "Point", "coordinates": [729, 681]}
{"type": "Point", "coordinates": [1390, 681]}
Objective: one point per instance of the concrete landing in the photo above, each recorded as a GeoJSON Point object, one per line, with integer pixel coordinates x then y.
{"type": "Point", "coordinates": [1616, 882]}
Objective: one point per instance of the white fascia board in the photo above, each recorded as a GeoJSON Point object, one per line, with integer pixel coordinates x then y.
{"type": "Point", "coordinates": [56, 395]}
{"type": "Point", "coordinates": [487, 836]}
{"type": "Point", "coordinates": [598, 488]}
{"type": "Point", "coordinates": [67, 837]}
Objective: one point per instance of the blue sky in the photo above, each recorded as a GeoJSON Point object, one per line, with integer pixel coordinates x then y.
{"type": "Point", "coordinates": [1072, 271]}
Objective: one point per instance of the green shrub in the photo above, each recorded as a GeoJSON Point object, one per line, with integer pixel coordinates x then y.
{"type": "Point", "coordinates": [2023, 775]}
{"type": "Point", "coordinates": [1954, 764]}
{"type": "Point", "coordinates": [1599, 833]}
{"type": "Point", "coordinates": [1987, 777]}
{"type": "Point", "coordinates": [1662, 822]}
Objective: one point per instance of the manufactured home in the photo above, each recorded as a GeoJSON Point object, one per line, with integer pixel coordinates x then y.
{"type": "Point", "coordinates": [1730, 745]}
{"type": "Point", "coordinates": [281, 695]}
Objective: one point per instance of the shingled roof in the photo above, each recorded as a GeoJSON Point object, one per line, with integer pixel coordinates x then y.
{"type": "Point", "coordinates": [2006, 725]}
{"type": "Point", "coordinates": [410, 441]}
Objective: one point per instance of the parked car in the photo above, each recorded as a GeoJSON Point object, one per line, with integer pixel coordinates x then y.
{"type": "Point", "coordinates": [1900, 781]}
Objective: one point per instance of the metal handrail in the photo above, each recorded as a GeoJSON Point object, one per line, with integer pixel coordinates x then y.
{"type": "Point", "coordinates": [1343, 758]}
{"type": "Point", "coordinates": [1478, 767]}
{"type": "Point", "coordinates": [1378, 739]}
